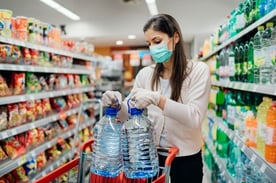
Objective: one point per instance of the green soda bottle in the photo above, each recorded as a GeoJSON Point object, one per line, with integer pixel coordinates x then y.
{"type": "Point", "coordinates": [245, 62]}
{"type": "Point", "coordinates": [250, 62]}
{"type": "Point", "coordinates": [237, 63]}
{"type": "Point", "coordinates": [231, 108]}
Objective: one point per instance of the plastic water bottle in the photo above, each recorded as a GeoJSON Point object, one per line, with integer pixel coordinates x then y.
{"type": "Point", "coordinates": [258, 54]}
{"type": "Point", "coordinates": [106, 155]}
{"type": "Point", "coordinates": [139, 151]}
{"type": "Point", "coordinates": [266, 67]}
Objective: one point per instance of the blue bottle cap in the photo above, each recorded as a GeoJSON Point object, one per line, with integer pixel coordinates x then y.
{"type": "Point", "coordinates": [111, 111]}
{"type": "Point", "coordinates": [135, 111]}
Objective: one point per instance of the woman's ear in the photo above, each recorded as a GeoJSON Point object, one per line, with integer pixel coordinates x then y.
{"type": "Point", "coordinates": [175, 37]}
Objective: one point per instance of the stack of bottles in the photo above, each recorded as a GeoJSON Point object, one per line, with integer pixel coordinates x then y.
{"type": "Point", "coordinates": [124, 147]}
{"type": "Point", "coordinates": [241, 17]}
{"type": "Point", "coordinates": [251, 116]}
{"type": "Point", "coordinates": [252, 61]}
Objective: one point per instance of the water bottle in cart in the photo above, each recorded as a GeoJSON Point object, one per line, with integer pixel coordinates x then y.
{"type": "Point", "coordinates": [140, 157]}
{"type": "Point", "coordinates": [106, 153]}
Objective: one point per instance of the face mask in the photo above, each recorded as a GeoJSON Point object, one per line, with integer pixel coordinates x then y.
{"type": "Point", "coordinates": [160, 53]}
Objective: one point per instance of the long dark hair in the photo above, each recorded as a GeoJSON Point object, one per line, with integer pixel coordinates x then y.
{"type": "Point", "coordinates": [167, 24]}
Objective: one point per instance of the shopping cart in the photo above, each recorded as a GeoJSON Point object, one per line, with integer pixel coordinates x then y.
{"type": "Point", "coordinates": [82, 163]}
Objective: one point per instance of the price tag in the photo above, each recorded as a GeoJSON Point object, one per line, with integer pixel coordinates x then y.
{"type": "Point", "coordinates": [13, 131]}
{"type": "Point", "coordinates": [263, 168]}
{"type": "Point", "coordinates": [253, 158]}
{"type": "Point", "coordinates": [22, 160]}
{"type": "Point", "coordinates": [32, 125]}
{"type": "Point", "coordinates": [21, 99]}
{"type": "Point", "coordinates": [33, 154]}
{"type": "Point", "coordinates": [51, 94]}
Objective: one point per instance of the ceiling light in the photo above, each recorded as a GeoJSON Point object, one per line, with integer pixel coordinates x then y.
{"type": "Point", "coordinates": [131, 37]}
{"type": "Point", "coordinates": [152, 7]}
{"type": "Point", "coordinates": [61, 9]}
{"type": "Point", "coordinates": [119, 42]}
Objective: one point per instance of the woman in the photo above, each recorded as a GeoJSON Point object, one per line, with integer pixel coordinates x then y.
{"type": "Point", "coordinates": [175, 92]}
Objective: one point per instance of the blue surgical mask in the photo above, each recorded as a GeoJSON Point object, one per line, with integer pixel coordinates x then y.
{"type": "Point", "coordinates": [160, 53]}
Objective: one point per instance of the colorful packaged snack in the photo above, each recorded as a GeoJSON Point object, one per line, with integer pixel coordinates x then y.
{"type": "Point", "coordinates": [13, 115]}
{"type": "Point", "coordinates": [33, 84]}
{"type": "Point", "coordinates": [4, 89]}
{"type": "Point", "coordinates": [31, 111]}
{"type": "Point", "coordinates": [41, 161]}
{"type": "Point", "coordinates": [3, 155]}
{"type": "Point", "coordinates": [20, 175]}
{"type": "Point", "coordinates": [30, 167]}
{"type": "Point", "coordinates": [3, 117]}
{"type": "Point", "coordinates": [13, 148]}
{"type": "Point", "coordinates": [18, 80]}
{"type": "Point", "coordinates": [26, 55]}
{"type": "Point", "coordinates": [46, 106]}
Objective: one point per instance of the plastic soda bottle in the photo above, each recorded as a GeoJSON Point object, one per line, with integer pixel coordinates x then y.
{"type": "Point", "coordinates": [250, 62]}
{"type": "Point", "coordinates": [261, 119]}
{"type": "Point", "coordinates": [258, 54]}
{"type": "Point", "coordinates": [270, 141]}
{"type": "Point", "coordinates": [106, 154]}
{"type": "Point", "coordinates": [140, 157]}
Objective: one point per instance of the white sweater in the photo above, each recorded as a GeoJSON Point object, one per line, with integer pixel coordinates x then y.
{"type": "Point", "coordinates": [180, 120]}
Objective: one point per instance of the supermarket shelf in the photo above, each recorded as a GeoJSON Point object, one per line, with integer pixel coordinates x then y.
{"type": "Point", "coordinates": [257, 88]}
{"type": "Point", "coordinates": [47, 49]}
{"type": "Point", "coordinates": [22, 128]}
{"type": "Point", "coordinates": [248, 29]}
{"type": "Point", "coordinates": [31, 68]}
{"type": "Point", "coordinates": [219, 161]}
{"type": "Point", "coordinates": [66, 156]}
{"type": "Point", "coordinates": [41, 95]}
{"type": "Point", "coordinates": [268, 169]}
{"type": "Point", "coordinates": [10, 165]}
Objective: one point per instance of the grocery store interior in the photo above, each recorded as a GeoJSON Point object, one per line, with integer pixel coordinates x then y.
{"type": "Point", "coordinates": [57, 54]}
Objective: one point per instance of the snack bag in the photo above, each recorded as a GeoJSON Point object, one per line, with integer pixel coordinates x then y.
{"type": "Point", "coordinates": [20, 175]}
{"type": "Point", "coordinates": [18, 80]}
{"type": "Point", "coordinates": [30, 167]}
{"type": "Point", "coordinates": [3, 117]}
{"type": "Point", "coordinates": [4, 89]}
{"type": "Point", "coordinates": [14, 116]}
{"type": "Point", "coordinates": [3, 155]}
{"type": "Point", "coordinates": [13, 148]}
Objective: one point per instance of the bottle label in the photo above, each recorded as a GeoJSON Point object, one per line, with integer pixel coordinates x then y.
{"type": "Point", "coordinates": [231, 113]}
{"type": "Point", "coordinates": [262, 130]}
{"type": "Point", "coordinates": [270, 137]}
{"type": "Point", "coordinates": [231, 66]}
{"type": "Point", "coordinates": [258, 58]}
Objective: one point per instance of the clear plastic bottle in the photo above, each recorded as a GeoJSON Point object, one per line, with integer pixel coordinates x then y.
{"type": "Point", "coordinates": [106, 155]}
{"type": "Point", "coordinates": [273, 54]}
{"type": "Point", "coordinates": [138, 148]}
{"type": "Point", "coordinates": [258, 54]}
{"type": "Point", "coordinates": [266, 67]}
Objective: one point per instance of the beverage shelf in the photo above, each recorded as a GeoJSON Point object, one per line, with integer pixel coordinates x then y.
{"type": "Point", "coordinates": [245, 31]}
{"type": "Point", "coordinates": [31, 68]}
{"type": "Point", "coordinates": [41, 95]}
{"type": "Point", "coordinates": [268, 169]}
{"type": "Point", "coordinates": [10, 165]}
{"type": "Point", "coordinates": [257, 88]}
{"type": "Point", "coordinates": [47, 49]}
{"type": "Point", "coordinates": [22, 128]}
{"type": "Point", "coordinates": [219, 161]}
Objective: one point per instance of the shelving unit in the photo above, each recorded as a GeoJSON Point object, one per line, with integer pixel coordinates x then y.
{"type": "Point", "coordinates": [268, 169]}
{"type": "Point", "coordinates": [219, 161]}
{"type": "Point", "coordinates": [245, 31]}
{"type": "Point", "coordinates": [8, 165]}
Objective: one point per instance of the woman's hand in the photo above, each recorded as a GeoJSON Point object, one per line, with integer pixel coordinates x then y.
{"type": "Point", "coordinates": [112, 98]}
{"type": "Point", "coordinates": [143, 98]}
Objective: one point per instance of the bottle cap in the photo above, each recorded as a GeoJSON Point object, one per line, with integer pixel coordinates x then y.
{"type": "Point", "coordinates": [269, 24]}
{"type": "Point", "coordinates": [111, 111]}
{"type": "Point", "coordinates": [135, 111]}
